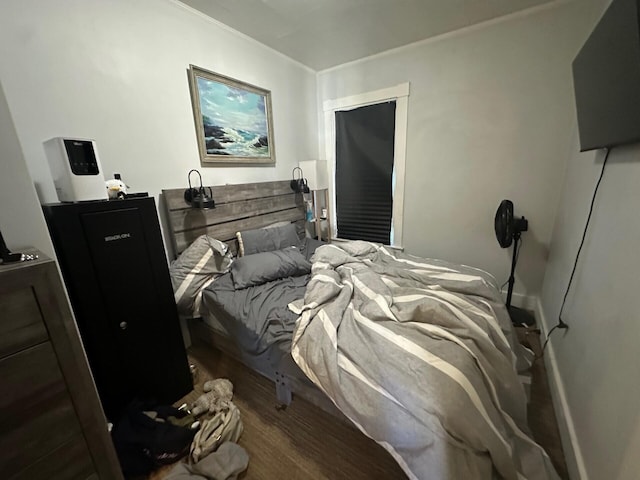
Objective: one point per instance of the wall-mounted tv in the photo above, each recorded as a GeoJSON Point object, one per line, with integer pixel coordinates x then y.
{"type": "Point", "coordinates": [606, 78]}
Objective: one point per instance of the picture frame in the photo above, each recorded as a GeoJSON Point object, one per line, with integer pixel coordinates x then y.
{"type": "Point", "coordinates": [233, 119]}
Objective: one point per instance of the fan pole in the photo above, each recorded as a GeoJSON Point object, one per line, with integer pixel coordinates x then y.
{"type": "Point", "coordinates": [518, 316]}
{"type": "Point", "coordinates": [512, 278]}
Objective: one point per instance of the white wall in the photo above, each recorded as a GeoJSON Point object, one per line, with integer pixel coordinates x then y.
{"type": "Point", "coordinates": [21, 220]}
{"type": "Point", "coordinates": [490, 112]}
{"type": "Point", "coordinates": [116, 71]}
{"type": "Point", "coordinates": [594, 363]}
{"type": "Point", "coordinates": [597, 358]}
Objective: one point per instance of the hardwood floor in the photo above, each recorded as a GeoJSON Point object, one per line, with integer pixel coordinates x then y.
{"type": "Point", "coordinates": [541, 414]}
{"type": "Point", "coordinates": [303, 442]}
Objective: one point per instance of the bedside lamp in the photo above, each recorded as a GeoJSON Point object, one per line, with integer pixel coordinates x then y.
{"type": "Point", "coordinates": [316, 174]}
{"type": "Point", "coordinates": [197, 197]}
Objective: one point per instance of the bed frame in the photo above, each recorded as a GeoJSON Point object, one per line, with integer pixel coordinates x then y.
{"type": "Point", "coordinates": [242, 207]}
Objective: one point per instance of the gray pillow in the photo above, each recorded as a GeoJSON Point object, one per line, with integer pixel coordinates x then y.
{"type": "Point", "coordinates": [268, 266]}
{"type": "Point", "coordinates": [267, 239]}
{"type": "Point", "coordinates": [308, 246]}
{"type": "Point", "coordinates": [202, 261]}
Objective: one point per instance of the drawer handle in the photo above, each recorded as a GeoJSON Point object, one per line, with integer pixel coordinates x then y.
{"type": "Point", "coordinates": [123, 325]}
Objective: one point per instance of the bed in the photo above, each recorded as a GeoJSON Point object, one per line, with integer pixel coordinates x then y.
{"type": "Point", "coordinates": [418, 354]}
{"type": "Point", "coordinates": [240, 208]}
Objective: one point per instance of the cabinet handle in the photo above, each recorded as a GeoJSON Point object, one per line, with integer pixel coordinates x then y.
{"type": "Point", "coordinates": [123, 325]}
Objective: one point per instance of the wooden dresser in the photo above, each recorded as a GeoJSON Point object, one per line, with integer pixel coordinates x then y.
{"type": "Point", "coordinates": [51, 422]}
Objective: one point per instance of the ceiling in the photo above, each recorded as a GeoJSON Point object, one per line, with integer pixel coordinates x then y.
{"type": "Point", "coordinates": [325, 33]}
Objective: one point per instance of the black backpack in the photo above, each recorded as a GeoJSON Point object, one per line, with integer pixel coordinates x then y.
{"type": "Point", "coordinates": [144, 444]}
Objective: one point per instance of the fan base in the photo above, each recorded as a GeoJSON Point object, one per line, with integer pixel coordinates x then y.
{"type": "Point", "coordinates": [520, 316]}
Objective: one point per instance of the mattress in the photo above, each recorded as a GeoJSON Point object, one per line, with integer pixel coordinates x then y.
{"type": "Point", "coordinates": [258, 320]}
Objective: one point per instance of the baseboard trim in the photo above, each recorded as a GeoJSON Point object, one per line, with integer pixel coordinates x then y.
{"type": "Point", "coordinates": [528, 302]}
{"type": "Point", "coordinates": [570, 445]}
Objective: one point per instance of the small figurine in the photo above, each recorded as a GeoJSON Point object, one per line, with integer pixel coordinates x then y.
{"type": "Point", "coordinates": [116, 188]}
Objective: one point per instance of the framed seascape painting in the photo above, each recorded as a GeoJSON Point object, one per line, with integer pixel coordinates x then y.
{"type": "Point", "coordinates": [233, 119]}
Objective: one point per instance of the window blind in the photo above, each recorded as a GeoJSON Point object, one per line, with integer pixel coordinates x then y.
{"type": "Point", "coordinates": [364, 169]}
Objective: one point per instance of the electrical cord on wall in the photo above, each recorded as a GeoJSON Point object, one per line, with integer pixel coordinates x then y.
{"type": "Point", "coordinates": [561, 324]}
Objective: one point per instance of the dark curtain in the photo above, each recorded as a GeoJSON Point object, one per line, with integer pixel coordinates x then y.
{"type": "Point", "coordinates": [364, 166]}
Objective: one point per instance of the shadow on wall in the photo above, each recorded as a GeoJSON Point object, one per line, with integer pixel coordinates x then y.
{"type": "Point", "coordinates": [41, 195]}
{"type": "Point", "coordinates": [532, 262]}
{"type": "Point", "coordinates": [192, 220]}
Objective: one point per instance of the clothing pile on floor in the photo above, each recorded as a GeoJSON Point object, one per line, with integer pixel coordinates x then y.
{"type": "Point", "coordinates": [150, 437]}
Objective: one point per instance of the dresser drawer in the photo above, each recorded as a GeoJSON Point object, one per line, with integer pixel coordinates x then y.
{"type": "Point", "coordinates": [36, 413]}
{"type": "Point", "coordinates": [21, 323]}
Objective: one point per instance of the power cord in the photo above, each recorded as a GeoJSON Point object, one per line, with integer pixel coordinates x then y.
{"type": "Point", "coordinates": [561, 324]}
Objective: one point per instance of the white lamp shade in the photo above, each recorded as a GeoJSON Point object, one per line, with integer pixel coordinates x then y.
{"type": "Point", "coordinates": [315, 171]}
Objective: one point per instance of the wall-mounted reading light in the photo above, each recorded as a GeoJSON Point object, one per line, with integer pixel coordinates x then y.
{"type": "Point", "coordinates": [299, 184]}
{"type": "Point", "coordinates": [197, 197]}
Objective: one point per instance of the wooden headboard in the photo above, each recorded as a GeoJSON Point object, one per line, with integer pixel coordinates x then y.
{"type": "Point", "coordinates": [238, 207]}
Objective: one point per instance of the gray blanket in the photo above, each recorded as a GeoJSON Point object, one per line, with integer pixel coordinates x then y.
{"type": "Point", "coordinates": [420, 355]}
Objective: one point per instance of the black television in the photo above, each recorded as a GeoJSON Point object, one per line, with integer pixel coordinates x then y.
{"type": "Point", "coordinates": [606, 78]}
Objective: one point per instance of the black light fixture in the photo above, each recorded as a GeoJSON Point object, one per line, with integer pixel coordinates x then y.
{"type": "Point", "coordinates": [197, 197]}
{"type": "Point", "coordinates": [299, 185]}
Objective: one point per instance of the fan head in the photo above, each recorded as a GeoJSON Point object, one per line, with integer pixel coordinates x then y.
{"type": "Point", "coordinates": [507, 227]}
{"type": "Point", "coordinates": [503, 223]}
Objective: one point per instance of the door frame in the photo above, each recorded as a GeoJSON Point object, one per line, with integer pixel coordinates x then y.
{"type": "Point", "coordinates": [399, 94]}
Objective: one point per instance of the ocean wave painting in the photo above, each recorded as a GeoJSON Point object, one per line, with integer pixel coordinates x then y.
{"type": "Point", "coordinates": [234, 119]}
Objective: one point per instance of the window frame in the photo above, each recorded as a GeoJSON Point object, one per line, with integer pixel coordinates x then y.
{"type": "Point", "coordinates": [399, 94]}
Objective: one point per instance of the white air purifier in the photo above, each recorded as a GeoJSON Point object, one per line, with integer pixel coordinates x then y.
{"type": "Point", "coordinates": [76, 170]}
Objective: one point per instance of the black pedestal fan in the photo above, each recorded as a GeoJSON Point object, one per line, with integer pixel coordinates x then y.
{"type": "Point", "coordinates": [508, 231]}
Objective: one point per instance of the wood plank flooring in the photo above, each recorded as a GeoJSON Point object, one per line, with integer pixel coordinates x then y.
{"type": "Point", "coordinates": [303, 442]}
{"type": "Point", "coordinates": [541, 414]}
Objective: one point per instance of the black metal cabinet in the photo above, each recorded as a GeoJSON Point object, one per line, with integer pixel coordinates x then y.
{"type": "Point", "coordinates": [114, 266]}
